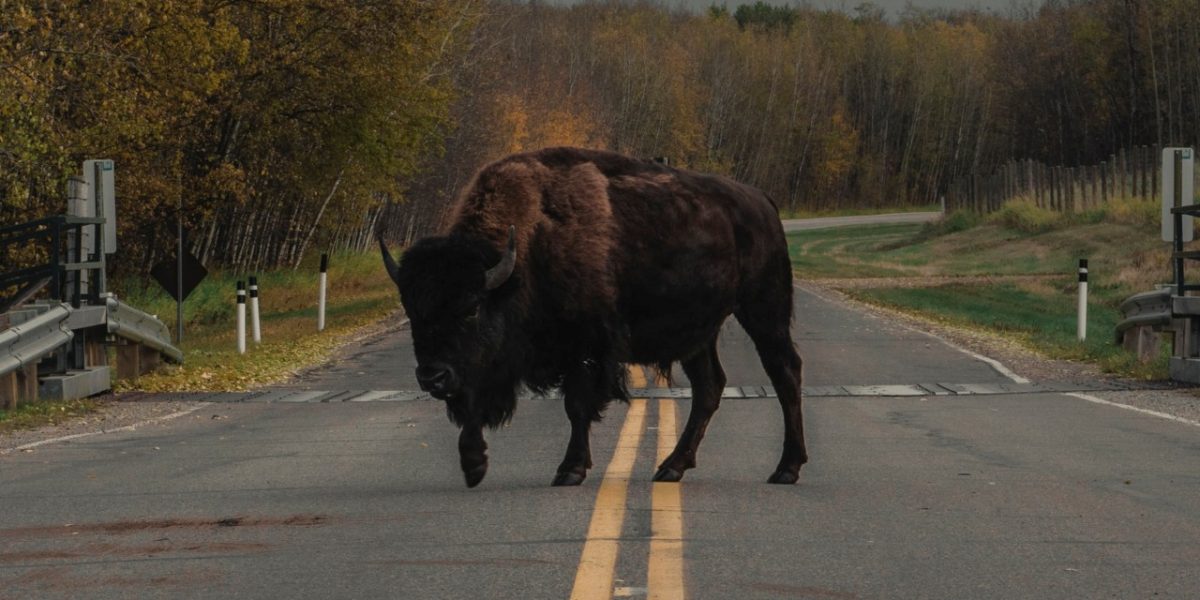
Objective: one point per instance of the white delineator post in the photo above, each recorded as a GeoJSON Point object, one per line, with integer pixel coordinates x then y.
{"type": "Point", "coordinates": [241, 317]}
{"type": "Point", "coordinates": [1083, 281]}
{"type": "Point", "coordinates": [321, 293]}
{"type": "Point", "coordinates": [255, 326]}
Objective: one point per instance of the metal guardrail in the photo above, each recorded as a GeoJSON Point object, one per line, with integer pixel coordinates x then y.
{"type": "Point", "coordinates": [1145, 309]}
{"type": "Point", "coordinates": [135, 325]}
{"type": "Point", "coordinates": [30, 341]}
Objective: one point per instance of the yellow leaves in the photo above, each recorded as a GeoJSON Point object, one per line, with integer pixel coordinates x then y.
{"type": "Point", "coordinates": [523, 127]}
{"type": "Point", "coordinates": [837, 152]}
{"type": "Point", "coordinates": [227, 180]}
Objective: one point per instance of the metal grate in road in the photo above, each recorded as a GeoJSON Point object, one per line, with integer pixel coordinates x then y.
{"type": "Point", "coordinates": [743, 392]}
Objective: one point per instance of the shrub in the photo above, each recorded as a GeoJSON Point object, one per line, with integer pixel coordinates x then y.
{"type": "Point", "coordinates": [959, 220]}
{"type": "Point", "coordinates": [1023, 214]}
{"type": "Point", "coordinates": [1133, 211]}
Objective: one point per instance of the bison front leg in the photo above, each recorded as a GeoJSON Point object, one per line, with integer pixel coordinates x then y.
{"type": "Point", "coordinates": [472, 453]}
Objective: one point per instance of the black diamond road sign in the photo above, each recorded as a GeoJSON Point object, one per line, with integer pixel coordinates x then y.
{"type": "Point", "coordinates": [166, 273]}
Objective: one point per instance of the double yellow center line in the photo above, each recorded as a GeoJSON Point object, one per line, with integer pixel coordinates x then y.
{"type": "Point", "coordinates": [597, 564]}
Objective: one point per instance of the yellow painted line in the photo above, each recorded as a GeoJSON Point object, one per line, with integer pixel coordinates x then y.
{"type": "Point", "coordinates": [637, 377]}
{"type": "Point", "coordinates": [594, 579]}
{"type": "Point", "coordinates": [665, 574]}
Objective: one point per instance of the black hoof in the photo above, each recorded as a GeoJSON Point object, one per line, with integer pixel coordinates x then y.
{"type": "Point", "coordinates": [568, 478]}
{"type": "Point", "coordinates": [784, 477]}
{"type": "Point", "coordinates": [668, 474]}
{"type": "Point", "coordinates": [474, 476]}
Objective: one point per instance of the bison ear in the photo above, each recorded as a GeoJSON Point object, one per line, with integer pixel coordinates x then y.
{"type": "Point", "coordinates": [497, 275]}
{"type": "Point", "coordinates": [389, 263]}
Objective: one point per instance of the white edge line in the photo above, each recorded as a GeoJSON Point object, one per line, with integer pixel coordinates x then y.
{"type": "Point", "coordinates": [993, 363]}
{"type": "Point", "coordinates": [67, 438]}
{"type": "Point", "coordinates": [132, 427]}
{"type": "Point", "coordinates": [1145, 411]}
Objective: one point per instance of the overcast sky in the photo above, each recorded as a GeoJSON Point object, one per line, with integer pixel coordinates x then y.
{"type": "Point", "coordinates": [892, 6]}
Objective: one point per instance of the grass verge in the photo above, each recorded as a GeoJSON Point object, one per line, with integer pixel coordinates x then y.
{"type": "Point", "coordinates": [1017, 270]}
{"type": "Point", "coordinates": [1043, 322]}
{"type": "Point", "coordinates": [38, 414]}
{"type": "Point", "coordinates": [359, 294]}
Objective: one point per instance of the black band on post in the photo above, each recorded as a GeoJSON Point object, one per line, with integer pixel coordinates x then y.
{"type": "Point", "coordinates": [241, 292]}
{"type": "Point", "coordinates": [1083, 270]}
{"type": "Point", "coordinates": [253, 286]}
{"type": "Point", "coordinates": [324, 262]}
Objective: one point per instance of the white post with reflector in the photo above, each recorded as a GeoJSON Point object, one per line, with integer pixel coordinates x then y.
{"type": "Point", "coordinates": [241, 317]}
{"type": "Point", "coordinates": [1081, 329]}
{"type": "Point", "coordinates": [321, 293]}
{"type": "Point", "coordinates": [255, 325]}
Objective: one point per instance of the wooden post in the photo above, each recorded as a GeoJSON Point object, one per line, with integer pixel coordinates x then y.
{"type": "Point", "coordinates": [1112, 177]}
{"type": "Point", "coordinates": [1081, 189]}
{"type": "Point", "coordinates": [1155, 171]}
{"type": "Point", "coordinates": [1095, 171]}
{"type": "Point", "coordinates": [1043, 188]}
{"type": "Point", "coordinates": [975, 193]}
{"type": "Point", "coordinates": [1144, 168]}
{"type": "Point", "coordinates": [1050, 195]}
{"type": "Point", "coordinates": [1122, 170]}
{"type": "Point", "coordinates": [8, 391]}
{"type": "Point", "coordinates": [1059, 200]}
{"type": "Point", "coordinates": [19, 387]}
{"type": "Point", "coordinates": [129, 360]}
{"type": "Point", "coordinates": [1103, 182]}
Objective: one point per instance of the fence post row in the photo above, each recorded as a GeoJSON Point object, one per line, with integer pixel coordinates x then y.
{"type": "Point", "coordinates": [1128, 173]}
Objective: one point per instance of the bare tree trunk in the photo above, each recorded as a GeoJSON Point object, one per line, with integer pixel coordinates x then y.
{"type": "Point", "coordinates": [317, 221]}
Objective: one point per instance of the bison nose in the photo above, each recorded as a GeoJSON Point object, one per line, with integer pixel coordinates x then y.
{"type": "Point", "coordinates": [437, 377]}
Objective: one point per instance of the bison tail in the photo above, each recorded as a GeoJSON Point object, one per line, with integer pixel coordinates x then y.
{"type": "Point", "coordinates": [662, 371]}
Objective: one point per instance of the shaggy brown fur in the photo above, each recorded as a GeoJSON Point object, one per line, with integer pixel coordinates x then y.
{"type": "Point", "coordinates": [617, 261]}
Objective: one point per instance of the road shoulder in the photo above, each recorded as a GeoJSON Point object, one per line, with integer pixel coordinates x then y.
{"type": "Point", "coordinates": [1160, 396]}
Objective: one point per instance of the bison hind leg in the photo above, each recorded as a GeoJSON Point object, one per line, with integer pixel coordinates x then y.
{"type": "Point", "coordinates": [708, 382]}
{"type": "Point", "coordinates": [662, 372]}
{"type": "Point", "coordinates": [767, 321]}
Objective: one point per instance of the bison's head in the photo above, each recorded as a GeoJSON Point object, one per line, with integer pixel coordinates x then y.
{"type": "Point", "coordinates": [448, 286]}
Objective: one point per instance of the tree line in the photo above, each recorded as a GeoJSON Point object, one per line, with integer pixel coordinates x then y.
{"type": "Point", "coordinates": [287, 126]}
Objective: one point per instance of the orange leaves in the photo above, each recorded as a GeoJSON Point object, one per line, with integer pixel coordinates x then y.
{"type": "Point", "coordinates": [527, 125]}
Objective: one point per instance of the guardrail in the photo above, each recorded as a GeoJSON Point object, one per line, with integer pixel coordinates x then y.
{"type": "Point", "coordinates": [28, 342]}
{"type": "Point", "coordinates": [1147, 309]}
{"type": "Point", "coordinates": [137, 326]}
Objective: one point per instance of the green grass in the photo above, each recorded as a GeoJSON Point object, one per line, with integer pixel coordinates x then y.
{"type": "Point", "coordinates": [1041, 321]}
{"type": "Point", "coordinates": [1027, 260]}
{"type": "Point", "coordinates": [359, 294]}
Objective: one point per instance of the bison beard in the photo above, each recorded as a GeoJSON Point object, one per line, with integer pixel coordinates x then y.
{"type": "Point", "coordinates": [559, 266]}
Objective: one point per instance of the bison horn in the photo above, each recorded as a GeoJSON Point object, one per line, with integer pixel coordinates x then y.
{"type": "Point", "coordinates": [497, 275]}
{"type": "Point", "coordinates": [389, 263]}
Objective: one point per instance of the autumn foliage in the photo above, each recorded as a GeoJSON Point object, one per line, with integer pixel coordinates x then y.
{"type": "Point", "coordinates": [286, 126]}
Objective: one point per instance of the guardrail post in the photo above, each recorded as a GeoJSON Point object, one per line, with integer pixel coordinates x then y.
{"type": "Point", "coordinates": [18, 387]}
{"type": "Point", "coordinates": [135, 360]}
{"type": "Point", "coordinates": [128, 361]}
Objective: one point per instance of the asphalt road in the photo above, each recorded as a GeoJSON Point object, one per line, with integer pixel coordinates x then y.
{"type": "Point", "coordinates": [1024, 495]}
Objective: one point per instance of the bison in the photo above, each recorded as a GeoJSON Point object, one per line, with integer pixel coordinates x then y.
{"type": "Point", "coordinates": [557, 267]}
